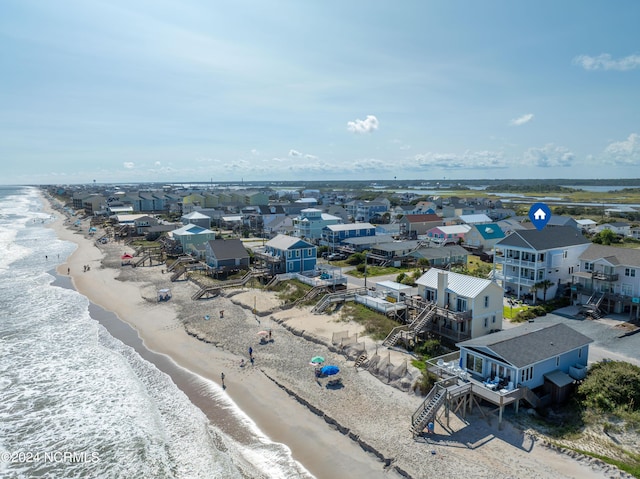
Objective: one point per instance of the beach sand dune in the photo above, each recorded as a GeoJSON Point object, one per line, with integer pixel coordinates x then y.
{"type": "Point", "coordinates": [360, 429]}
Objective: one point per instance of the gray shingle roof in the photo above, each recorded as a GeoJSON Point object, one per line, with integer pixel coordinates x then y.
{"type": "Point", "coordinates": [530, 343]}
{"type": "Point", "coordinates": [615, 256]}
{"type": "Point", "coordinates": [547, 238]}
{"type": "Point", "coordinates": [228, 249]}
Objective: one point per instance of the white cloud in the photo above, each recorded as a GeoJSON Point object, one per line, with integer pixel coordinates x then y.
{"type": "Point", "coordinates": [526, 118]}
{"type": "Point", "coordinates": [294, 153]}
{"type": "Point", "coordinates": [310, 157]}
{"type": "Point", "coordinates": [469, 159]}
{"type": "Point", "coordinates": [549, 156]}
{"type": "Point", "coordinates": [626, 152]}
{"type": "Point", "coordinates": [128, 165]}
{"type": "Point", "coordinates": [157, 164]}
{"type": "Point", "coordinates": [255, 152]}
{"type": "Point", "coordinates": [369, 124]}
{"type": "Point", "coordinates": [605, 62]}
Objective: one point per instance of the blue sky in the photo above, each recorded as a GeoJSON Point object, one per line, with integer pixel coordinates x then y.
{"type": "Point", "coordinates": [157, 90]}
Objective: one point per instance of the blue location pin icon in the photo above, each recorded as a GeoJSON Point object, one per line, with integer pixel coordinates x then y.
{"type": "Point", "coordinates": [539, 214]}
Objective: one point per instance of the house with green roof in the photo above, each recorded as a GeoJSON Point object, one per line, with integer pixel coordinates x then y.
{"type": "Point", "coordinates": [484, 236]}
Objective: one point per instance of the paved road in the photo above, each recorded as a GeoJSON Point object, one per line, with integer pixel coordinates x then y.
{"type": "Point", "coordinates": [609, 340]}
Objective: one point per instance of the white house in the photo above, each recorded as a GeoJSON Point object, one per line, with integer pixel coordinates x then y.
{"type": "Point", "coordinates": [619, 227]}
{"type": "Point", "coordinates": [611, 276]}
{"type": "Point", "coordinates": [526, 258]}
{"type": "Point", "coordinates": [467, 306]}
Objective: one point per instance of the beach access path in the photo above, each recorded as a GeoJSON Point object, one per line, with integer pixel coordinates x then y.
{"type": "Point", "coordinates": [341, 432]}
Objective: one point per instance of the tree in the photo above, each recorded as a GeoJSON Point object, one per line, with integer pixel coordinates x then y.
{"type": "Point", "coordinates": [423, 264]}
{"type": "Point", "coordinates": [605, 237]}
{"type": "Point", "coordinates": [544, 285]}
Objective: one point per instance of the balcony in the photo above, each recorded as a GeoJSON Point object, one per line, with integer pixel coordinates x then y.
{"type": "Point", "coordinates": [602, 276]}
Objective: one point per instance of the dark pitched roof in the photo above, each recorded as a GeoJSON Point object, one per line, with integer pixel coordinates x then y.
{"type": "Point", "coordinates": [228, 249]}
{"type": "Point", "coordinates": [544, 239]}
{"type": "Point", "coordinates": [529, 344]}
{"type": "Point", "coordinates": [440, 252]}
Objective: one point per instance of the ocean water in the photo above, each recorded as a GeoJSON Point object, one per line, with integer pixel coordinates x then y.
{"type": "Point", "coordinates": [75, 402]}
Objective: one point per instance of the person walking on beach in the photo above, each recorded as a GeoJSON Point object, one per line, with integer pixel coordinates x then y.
{"type": "Point", "coordinates": [250, 352]}
{"type": "Point", "coordinates": [222, 377]}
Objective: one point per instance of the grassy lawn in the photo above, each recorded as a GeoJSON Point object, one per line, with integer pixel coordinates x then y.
{"type": "Point", "coordinates": [509, 312]}
{"type": "Point", "coordinates": [377, 271]}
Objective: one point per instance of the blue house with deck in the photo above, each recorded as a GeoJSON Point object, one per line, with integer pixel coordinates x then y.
{"type": "Point", "coordinates": [546, 359]}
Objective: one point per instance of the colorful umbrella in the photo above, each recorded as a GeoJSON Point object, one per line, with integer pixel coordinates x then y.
{"type": "Point", "coordinates": [263, 333]}
{"type": "Point", "coordinates": [329, 370]}
{"type": "Point", "coordinates": [317, 360]}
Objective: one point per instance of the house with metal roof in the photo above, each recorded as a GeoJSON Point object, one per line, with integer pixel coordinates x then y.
{"type": "Point", "coordinates": [226, 254]}
{"type": "Point", "coordinates": [475, 219]}
{"type": "Point", "coordinates": [334, 235]}
{"type": "Point", "coordinates": [310, 223]}
{"type": "Point", "coordinates": [533, 356]}
{"type": "Point", "coordinates": [467, 306]}
{"type": "Point", "coordinates": [608, 281]}
{"type": "Point", "coordinates": [190, 236]}
{"type": "Point", "coordinates": [197, 218]}
{"type": "Point", "coordinates": [527, 258]}
{"type": "Point", "coordinates": [452, 234]}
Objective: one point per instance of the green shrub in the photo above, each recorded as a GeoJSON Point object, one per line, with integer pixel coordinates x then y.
{"type": "Point", "coordinates": [611, 386]}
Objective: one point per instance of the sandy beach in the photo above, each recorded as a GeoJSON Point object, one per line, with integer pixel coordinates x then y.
{"type": "Point", "coordinates": [358, 430]}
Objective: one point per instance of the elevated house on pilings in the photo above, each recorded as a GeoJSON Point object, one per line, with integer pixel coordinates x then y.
{"type": "Point", "coordinates": [539, 365]}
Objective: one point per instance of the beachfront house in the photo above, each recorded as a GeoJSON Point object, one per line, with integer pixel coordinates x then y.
{"type": "Point", "coordinates": [546, 359]}
{"type": "Point", "coordinates": [288, 254]}
{"type": "Point", "coordinates": [529, 262]}
{"type": "Point", "coordinates": [467, 306]}
{"type": "Point", "coordinates": [608, 280]}
{"type": "Point", "coordinates": [226, 254]}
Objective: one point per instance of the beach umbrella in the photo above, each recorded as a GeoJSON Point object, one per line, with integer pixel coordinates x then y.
{"type": "Point", "coordinates": [317, 360]}
{"type": "Point", "coordinates": [263, 333]}
{"type": "Point", "coordinates": [329, 370]}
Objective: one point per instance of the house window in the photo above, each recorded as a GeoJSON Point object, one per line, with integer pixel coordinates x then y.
{"type": "Point", "coordinates": [461, 304]}
{"type": "Point", "coordinates": [557, 361]}
{"type": "Point", "coordinates": [486, 322]}
{"type": "Point", "coordinates": [493, 319]}
{"type": "Point", "coordinates": [309, 252]}
{"type": "Point", "coordinates": [631, 272]}
{"type": "Point", "coordinates": [289, 254]}
{"type": "Point", "coordinates": [565, 253]}
{"type": "Point", "coordinates": [570, 269]}
{"type": "Point", "coordinates": [588, 266]}
{"type": "Point", "coordinates": [527, 374]}
{"type": "Point", "coordinates": [580, 352]}
{"type": "Point", "coordinates": [486, 301]}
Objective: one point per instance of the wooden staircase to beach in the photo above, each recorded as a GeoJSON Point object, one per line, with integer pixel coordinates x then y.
{"type": "Point", "coordinates": [361, 360]}
{"type": "Point", "coordinates": [340, 297]}
{"type": "Point", "coordinates": [413, 328]}
{"type": "Point", "coordinates": [211, 290]}
{"type": "Point", "coordinates": [428, 410]}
